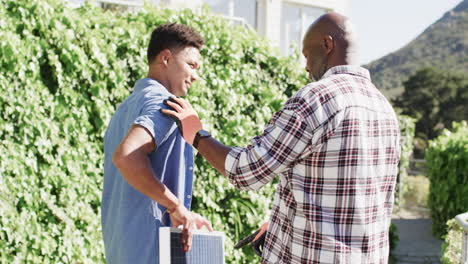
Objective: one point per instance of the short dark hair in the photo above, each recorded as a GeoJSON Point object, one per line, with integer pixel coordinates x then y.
{"type": "Point", "coordinates": [171, 36]}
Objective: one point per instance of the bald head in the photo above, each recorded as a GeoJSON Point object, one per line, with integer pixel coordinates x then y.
{"type": "Point", "coordinates": [329, 41]}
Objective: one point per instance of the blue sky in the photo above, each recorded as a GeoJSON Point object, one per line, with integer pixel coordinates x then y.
{"type": "Point", "coordinates": [384, 26]}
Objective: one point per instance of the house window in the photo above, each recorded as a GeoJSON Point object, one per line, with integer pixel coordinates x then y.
{"type": "Point", "coordinates": [76, 3]}
{"type": "Point", "coordinates": [295, 21]}
{"type": "Point", "coordinates": [219, 6]}
{"type": "Point", "coordinates": [113, 5]}
{"type": "Point", "coordinates": [245, 9]}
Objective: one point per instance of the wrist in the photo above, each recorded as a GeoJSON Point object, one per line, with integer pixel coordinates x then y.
{"type": "Point", "coordinates": [199, 135]}
{"type": "Point", "coordinates": [170, 210]}
{"type": "Point", "coordinates": [174, 207]}
{"type": "Point", "coordinates": [191, 127]}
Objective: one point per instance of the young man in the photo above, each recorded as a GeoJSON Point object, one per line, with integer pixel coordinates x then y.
{"type": "Point", "coordinates": [335, 146]}
{"type": "Point", "coordinates": [148, 167]}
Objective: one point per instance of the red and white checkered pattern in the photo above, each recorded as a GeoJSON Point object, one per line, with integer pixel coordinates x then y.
{"type": "Point", "coordinates": [335, 145]}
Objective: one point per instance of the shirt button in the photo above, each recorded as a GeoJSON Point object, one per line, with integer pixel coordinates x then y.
{"type": "Point", "coordinates": [190, 168]}
{"type": "Point", "coordinates": [189, 196]}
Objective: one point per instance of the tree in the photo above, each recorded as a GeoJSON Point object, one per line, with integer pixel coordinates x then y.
{"type": "Point", "coordinates": [435, 98]}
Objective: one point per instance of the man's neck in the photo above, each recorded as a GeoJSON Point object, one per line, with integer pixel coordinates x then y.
{"type": "Point", "coordinates": [341, 63]}
{"type": "Point", "coordinates": [156, 75]}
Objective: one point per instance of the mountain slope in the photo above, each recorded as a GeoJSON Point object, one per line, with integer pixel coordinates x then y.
{"type": "Point", "coordinates": [442, 45]}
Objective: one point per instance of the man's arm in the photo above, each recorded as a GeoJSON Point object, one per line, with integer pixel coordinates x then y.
{"type": "Point", "coordinates": [131, 158]}
{"type": "Point", "coordinates": [189, 124]}
{"type": "Point", "coordinates": [214, 152]}
{"type": "Point", "coordinates": [283, 141]}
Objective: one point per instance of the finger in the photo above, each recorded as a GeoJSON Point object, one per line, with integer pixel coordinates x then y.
{"type": "Point", "coordinates": [175, 106]}
{"type": "Point", "coordinates": [174, 99]}
{"type": "Point", "coordinates": [202, 221]}
{"type": "Point", "coordinates": [184, 237]}
{"type": "Point", "coordinates": [169, 112]}
{"type": "Point", "coordinates": [257, 251]}
{"type": "Point", "coordinates": [207, 224]}
{"type": "Point", "coordinates": [182, 102]}
{"type": "Point", "coordinates": [178, 100]}
{"type": "Point", "coordinates": [259, 234]}
{"type": "Point", "coordinates": [263, 228]}
{"type": "Point", "coordinates": [187, 236]}
{"type": "Point", "coordinates": [189, 241]}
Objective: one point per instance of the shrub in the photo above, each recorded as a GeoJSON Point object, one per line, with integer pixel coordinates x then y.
{"type": "Point", "coordinates": [393, 236]}
{"type": "Point", "coordinates": [452, 246]}
{"type": "Point", "coordinates": [63, 73]}
{"type": "Point", "coordinates": [407, 128]}
{"type": "Point", "coordinates": [447, 167]}
{"type": "Point", "coordinates": [415, 191]}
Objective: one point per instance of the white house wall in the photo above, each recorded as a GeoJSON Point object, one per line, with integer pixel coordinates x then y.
{"type": "Point", "coordinates": [269, 21]}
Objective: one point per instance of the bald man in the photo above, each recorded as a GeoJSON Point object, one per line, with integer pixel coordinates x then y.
{"type": "Point", "coordinates": [334, 145]}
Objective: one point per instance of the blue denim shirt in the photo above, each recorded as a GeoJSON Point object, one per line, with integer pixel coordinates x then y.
{"type": "Point", "coordinates": [130, 220]}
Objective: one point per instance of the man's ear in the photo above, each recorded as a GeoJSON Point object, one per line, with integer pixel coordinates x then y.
{"type": "Point", "coordinates": [164, 56]}
{"type": "Point", "coordinates": [328, 44]}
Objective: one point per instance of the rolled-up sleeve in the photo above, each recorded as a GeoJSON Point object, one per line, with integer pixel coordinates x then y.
{"type": "Point", "coordinates": [283, 141]}
{"type": "Point", "coordinates": [159, 125]}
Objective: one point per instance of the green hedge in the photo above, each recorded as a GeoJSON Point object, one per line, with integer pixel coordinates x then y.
{"type": "Point", "coordinates": [407, 130]}
{"type": "Point", "coordinates": [447, 167]}
{"type": "Point", "coordinates": [453, 243]}
{"type": "Point", "coordinates": [63, 73]}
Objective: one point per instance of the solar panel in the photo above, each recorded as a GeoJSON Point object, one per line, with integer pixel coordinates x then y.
{"type": "Point", "coordinates": [207, 247]}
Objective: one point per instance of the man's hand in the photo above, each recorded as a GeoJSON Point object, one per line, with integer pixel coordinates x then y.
{"type": "Point", "coordinates": [256, 240]}
{"type": "Point", "coordinates": [259, 240]}
{"type": "Point", "coordinates": [262, 229]}
{"type": "Point", "coordinates": [190, 221]}
{"type": "Point", "coordinates": [201, 222]}
{"type": "Point", "coordinates": [181, 216]}
{"type": "Point", "coordinates": [189, 123]}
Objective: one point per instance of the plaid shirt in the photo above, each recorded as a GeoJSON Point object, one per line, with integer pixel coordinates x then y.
{"type": "Point", "coordinates": [335, 145]}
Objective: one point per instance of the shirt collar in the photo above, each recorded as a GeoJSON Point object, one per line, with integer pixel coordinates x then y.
{"type": "Point", "coordinates": [148, 82]}
{"type": "Point", "coordinates": [347, 69]}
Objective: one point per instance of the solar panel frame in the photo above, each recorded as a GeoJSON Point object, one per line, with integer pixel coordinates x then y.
{"type": "Point", "coordinates": [211, 244]}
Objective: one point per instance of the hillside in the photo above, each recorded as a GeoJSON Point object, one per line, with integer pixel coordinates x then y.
{"type": "Point", "coordinates": [442, 45]}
